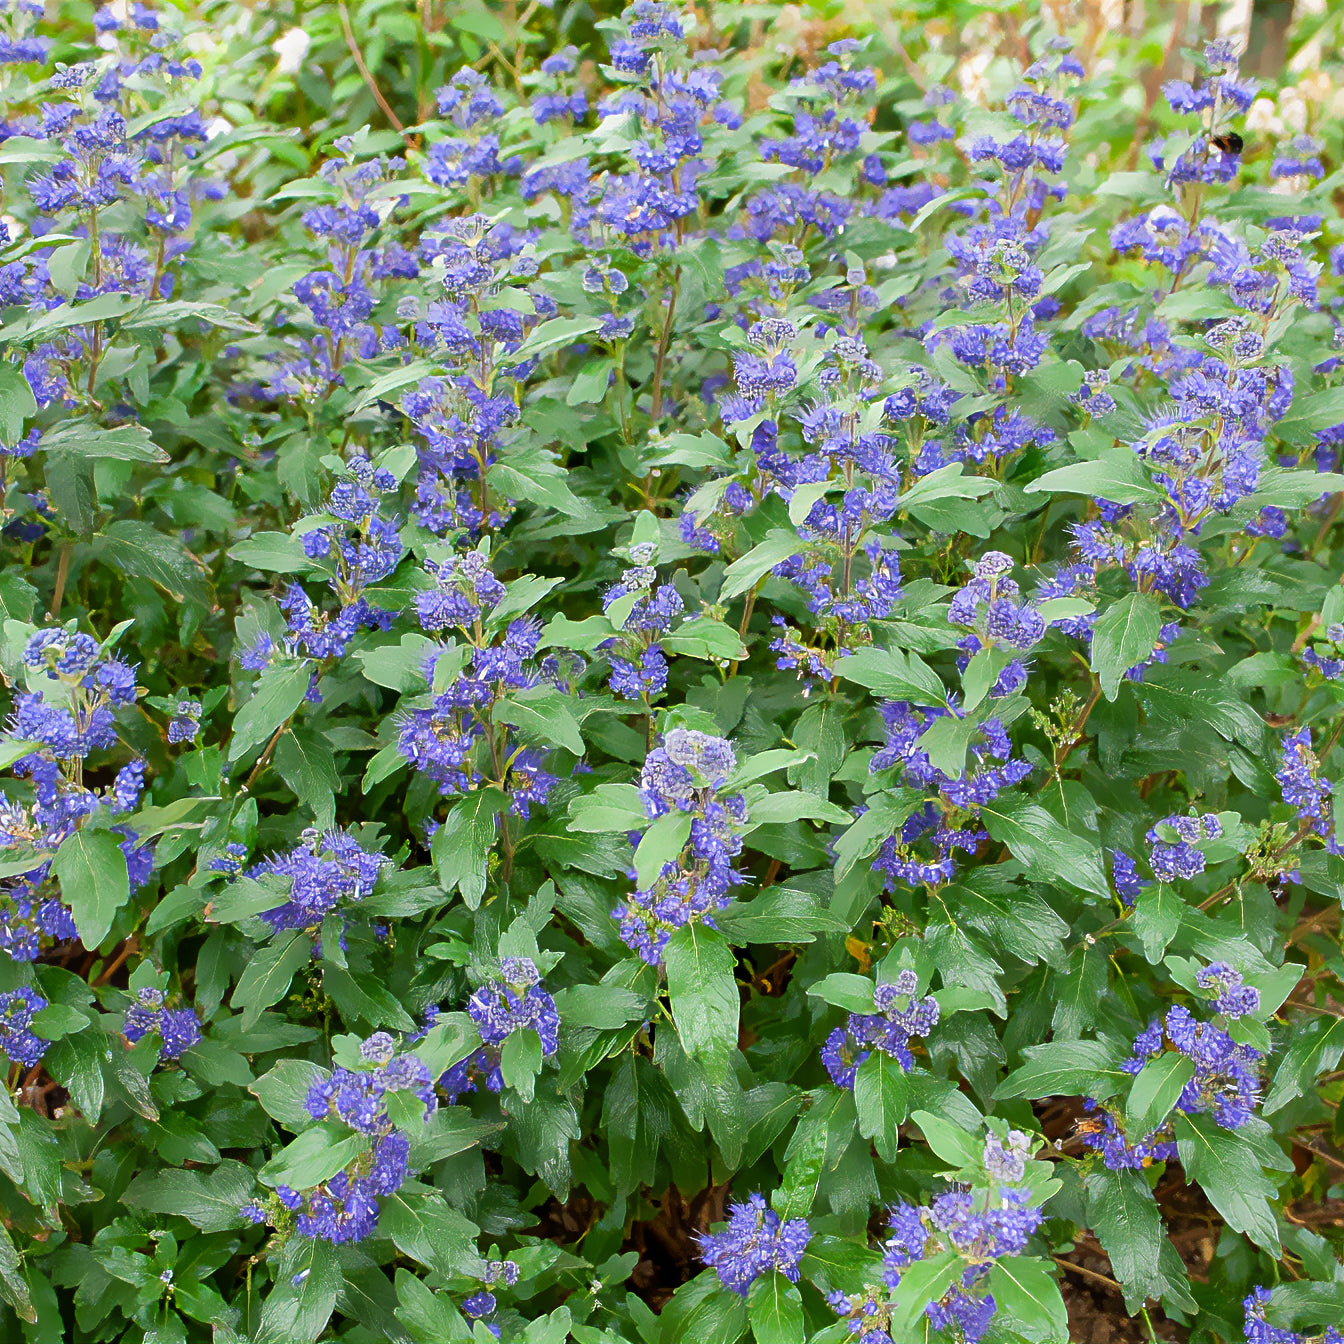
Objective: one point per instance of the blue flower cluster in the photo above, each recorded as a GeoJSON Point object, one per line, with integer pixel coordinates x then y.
{"type": "Point", "coordinates": [686, 775]}
{"type": "Point", "coordinates": [1260, 1331]}
{"type": "Point", "coordinates": [359, 548]}
{"type": "Point", "coordinates": [1304, 790]}
{"type": "Point", "coordinates": [178, 1029]}
{"type": "Point", "coordinates": [980, 1226]}
{"type": "Point", "coordinates": [345, 1207]}
{"type": "Point", "coordinates": [1103, 1133]}
{"type": "Point", "coordinates": [124, 182]}
{"type": "Point", "coordinates": [1172, 852]}
{"type": "Point", "coordinates": [756, 1241]}
{"type": "Point", "coordinates": [901, 1014]}
{"type": "Point", "coordinates": [512, 1001]}
{"type": "Point", "coordinates": [483, 1303]}
{"type": "Point", "coordinates": [1326, 656]}
{"type": "Point", "coordinates": [330, 872]}
{"type": "Point", "coordinates": [1226, 1081]}
{"type": "Point", "coordinates": [456, 739]}
{"type": "Point", "coordinates": [17, 1039]}
{"type": "Point", "coordinates": [465, 589]}
{"type": "Point", "coordinates": [642, 609]}
{"type": "Point", "coordinates": [921, 852]}
{"type": "Point", "coordinates": [69, 716]}
{"type": "Point", "coordinates": [185, 724]}
{"type": "Point", "coordinates": [988, 605]}
{"type": "Point", "coordinates": [1212, 157]}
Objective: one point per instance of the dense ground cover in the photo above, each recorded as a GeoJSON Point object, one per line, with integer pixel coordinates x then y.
{"type": "Point", "coordinates": [669, 677]}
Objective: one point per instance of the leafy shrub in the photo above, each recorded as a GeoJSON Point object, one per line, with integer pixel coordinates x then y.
{"type": "Point", "coordinates": [696, 693]}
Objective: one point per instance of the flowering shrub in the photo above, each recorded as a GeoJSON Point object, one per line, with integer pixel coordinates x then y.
{"type": "Point", "coordinates": [669, 676]}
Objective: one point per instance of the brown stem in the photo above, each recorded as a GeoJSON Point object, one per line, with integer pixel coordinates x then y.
{"type": "Point", "coordinates": [127, 949]}
{"type": "Point", "coordinates": [1066, 748]}
{"type": "Point", "coordinates": [746, 621]}
{"type": "Point", "coordinates": [62, 573]}
{"type": "Point", "coordinates": [664, 344]}
{"type": "Point", "coordinates": [1326, 526]}
{"type": "Point", "coordinates": [364, 72]}
{"type": "Point", "coordinates": [265, 758]}
{"type": "Point", "coordinates": [1086, 1273]}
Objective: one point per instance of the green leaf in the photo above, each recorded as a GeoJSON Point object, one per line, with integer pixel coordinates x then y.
{"type": "Point", "coordinates": [430, 1317]}
{"type": "Point", "coordinates": [279, 692]}
{"type": "Point", "coordinates": [703, 990]}
{"type": "Point", "coordinates": [922, 1282]}
{"type": "Point", "coordinates": [461, 846]}
{"type": "Point", "coordinates": [704, 638]}
{"type": "Point", "coordinates": [775, 1310]}
{"type": "Point", "coordinates": [284, 1089]}
{"type": "Point", "coordinates": [1157, 1087]}
{"type": "Point", "coordinates": [893, 675]}
{"type": "Point", "coordinates": [775, 808]}
{"type": "Point", "coordinates": [81, 442]}
{"type": "Point", "coordinates": [1123, 1214]}
{"type": "Point", "coordinates": [363, 997]}
{"type": "Point", "coordinates": [427, 1229]}
{"type": "Point", "coordinates": [946, 482]}
{"type": "Point", "coordinates": [1026, 1293]}
{"type": "Point", "coordinates": [209, 1200]}
{"type": "Point", "coordinates": [1048, 850]}
{"type": "Point", "coordinates": [884, 817]}
{"type": "Point", "coordinates": [743, 573]}
{"type": "Point", "coordinates": [1125, 635]}
{"type": "Point", "coordinates": [399, 667]}
{"type": "Point", "coordinates": [780, 914]}
{"type": "Point", "coordinates": [946, 741]}
{"type": "Point", "coordinates": [92, 872]}
{"type": "Point", "coordinates": [77, 1064]}
{"type": "Point", "coordinates": [520, 1061]}
{"type": "Point", "coordinates": [307, 764]}
{"type": "Point", "coordinates": [610, 807]}
{"type": "Point", "coordinates": [1293, 489]}
{"type": "Point", "coordinates": [1157, 915]}
{"type": "Point", "coordinates": [1117, 475]}
{"type": "Point", "coordinates": [543, 1131]}
{"type": "Point", "coordinates": [881, 1095]}
{"type": "Point", "coordinates": [16, 405]}
{"type": "Point", "coordinates": [590, 383]}
{"type": "Point", "coordinates": [1228, 1170]}
{"type": "Point", "coordinates": [267, 976]}
{"type": "Point", "coordinates": [660, 845]}
{"type": "Point", "coordinates": [273, 553]}
{"type": "Point", "coordinates": [554, 333]}
{"type": "Point", "coordinates": [701, 1310]}
{"type": "Point", "coordinates": [447, 1131]}
{"type": "Point", "coordinates": [1313, 1049]}
{"type": "Point", "coordinates": [13, 1285]}
{"type": "Point", "coordinates": [1065, 1068]}
{"type": "Point", "coordinates": [543, 713]}
{"type": "Point", "coordinates": [818, 1142]}
{"type": "Point", "coordinates": [953, 1145]}
{"type": "Point", "coordinates": [844, 989]}
{"type": "Point", "coordinates": [805, 497]}
{"type": "Point", "coordinates": [140, 549]}
{"type": "Point", "coordinates": [58, 1020]}
{"type": "Point", "coordinates": [315, 1156]}
{"type": "Point", "coordinates": [307, 1284]}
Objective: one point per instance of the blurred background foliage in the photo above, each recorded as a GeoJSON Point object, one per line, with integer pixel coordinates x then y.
{"type": "Point", "coordinates": [337, 67]}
